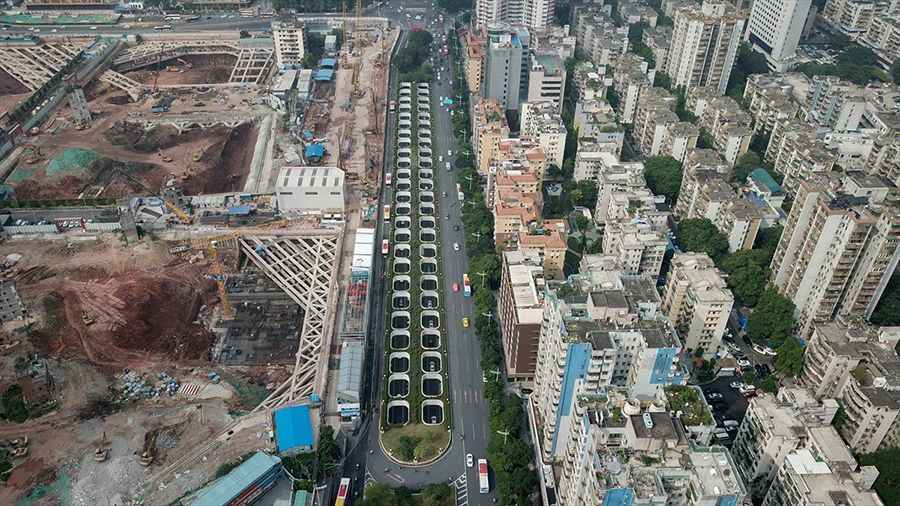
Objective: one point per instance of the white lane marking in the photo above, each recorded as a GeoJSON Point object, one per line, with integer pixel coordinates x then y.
{"type": "Point", "coordinates": [462, 490]}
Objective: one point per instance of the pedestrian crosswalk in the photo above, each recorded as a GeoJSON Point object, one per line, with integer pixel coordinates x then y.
{"type": "Point", "coordinates": [462, 490]}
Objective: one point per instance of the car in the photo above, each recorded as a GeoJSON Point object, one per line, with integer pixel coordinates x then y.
{"type": "Point", "coordinates": [769, 351]}
{"type": "Point", "coordinates": [714, 395]}
{"type": "Point", "coordinates": [93, 28]}
{"type": "Point", "coordinates": [744, 364]}
{"type": "Point", "coordinates": [455, 287]}
{"type": "Point", "coordinates": [736, 384]}
{"type": "Point", "coordinates": [444, 194]}
{"type": "Point", "coordinates": [758, 349]}
{"type": "Point", "coordinates": [441, 158]}
{"type": "Point", "coordinates": [483, 378]}
{"type": "Point", "coordinates": [730, 423]}
{"type": "Point", "coordinates": [455, 228]}
{"type": "Point", "coordinates": [470, 461]}
{"type": "Point", "coordinates": [731, 346]}
{"type": "Point", "coordinates": [449, 152]}
{"type": "Point", "coordinates": [456, 246]}
{"type": "Point", "coordinates": [465, 323]}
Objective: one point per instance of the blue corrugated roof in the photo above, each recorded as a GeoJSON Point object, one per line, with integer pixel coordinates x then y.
{"type": "Point", "coordinates": [315, 151]}
{"type": "Point", "coordinates": [323, 75]}
{"type": "Point", "coordinates": [239, 210]}
{"type": "Point", "coordinates": [293, 428]}
{"type": "Point", "coordinates": [301, 498]}
{"type": "Point", "coordinates": [231, 485]}
{"type": "Point", "coordinates": [762, 177]}
{"type": "Point", "coordinates": [619, 497]}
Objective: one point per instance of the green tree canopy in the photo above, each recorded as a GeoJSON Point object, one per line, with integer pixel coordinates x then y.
{"type": "Point", "coordinates": [895, 72]}
{"type": "Point", "coordinates": [854, 54]}
{"type": "Point", "coordinates": [438, 494]}
{"type": "Point", "coordinates": [887, 312]}
{"type": "Point", "coordinates": [789, 361]}
{"type": "Point", "coordinates": [700, 235]}
{"type": "Point", "coordinates": [772, 318]}
{"type": "Point", "coordinates": [663, 175]}
{"type": "Point", "coordinates": [746, 275]}
{"type": "Point", "coordinates": [888, 483]}
{"type": "Point", "coordinates": [746, 163]}
{"type": "Point", "coordinates": [489, 264]}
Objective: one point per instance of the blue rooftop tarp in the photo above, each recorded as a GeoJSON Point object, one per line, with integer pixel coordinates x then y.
{"type": "Point", "coordinates": [761, 176]}
{"type": "Point", "coordinates": [225, 489]}
{"type": "Point", "coordinates": [239, 210]}
{"type": "Point", "coordinates": [327, 62]}
{"type": "Point", "coordinates": [315, 151]}
{"type": "Point", "coordinates": [293, 430]}
{"type": "Point", "coordinates": [323, 75]}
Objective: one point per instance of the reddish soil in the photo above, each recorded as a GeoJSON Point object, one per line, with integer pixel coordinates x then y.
{"type": "Point", "coordinates": [139, 318]}
{"type": "Point", "coordinates": [9, 85]}
{"type": "Point", "coordinates": [203, 70]}
{"type": "Point", "coordinates": [228, 170]}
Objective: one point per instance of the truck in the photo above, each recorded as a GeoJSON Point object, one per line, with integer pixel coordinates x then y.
{"type": "Point", "coordinates": [387, 213]}
{"type": "Point", "coordinates": [483, 484]}
{"type": "Point", "coordinates": [467, 286]}
{"type": "Point", "coordinates": [343, 492]}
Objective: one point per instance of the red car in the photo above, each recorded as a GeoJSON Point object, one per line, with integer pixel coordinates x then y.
{"type": "Point", "coordinates": [455, 287]}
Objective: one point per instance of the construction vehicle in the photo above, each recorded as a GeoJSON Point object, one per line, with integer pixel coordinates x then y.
{"type": "Point", "coordinates": [184, 217]}
{"type": "Point", "coordinates": [87, 319]}
{"type": "Point", "coordinates": [101, 452]}
{"type": "Point", "coordinates": [197, 156]}
{"type": "Point", "coordinates": [148, 451]}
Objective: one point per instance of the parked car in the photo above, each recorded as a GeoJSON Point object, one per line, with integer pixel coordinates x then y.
{"type": "Point", "coordinates": [470, 461]}
{"type": "Point", "coordinates": [745, 364]}
{"type": "Point", "coordinates": [737, 384]}
{"type": "Point", "coordinates": [714, 395]}
{"type": "Point", "coordinates": [456, 246]}
{"type": "Point", "coordinates": [730, 423]}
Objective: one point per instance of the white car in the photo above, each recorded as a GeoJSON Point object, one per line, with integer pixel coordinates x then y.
{"type": "Point", "coordinates": [470, 461]}
{"type": "Point", "coordinates": [440, 158]}
{"type": "Point", "coordinates": [744, 363]}
{"type": "Point", "coordinates": [456, 246]}
{"type": "Point", "coordinates": [449, 152]}
{"type": "Point", "coordinates": [737, 385]}
{"type": "Point", "coordinates": [759, 349]}
{"type": "Point", "coordinates": [769, 351]}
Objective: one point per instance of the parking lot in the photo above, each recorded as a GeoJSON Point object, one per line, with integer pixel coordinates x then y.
{"type": "Point", "coordinates": [726, 403]}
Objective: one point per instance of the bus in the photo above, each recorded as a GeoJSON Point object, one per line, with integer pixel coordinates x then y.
{"type": "Point", "coordinates": [343, 492]}
{"type": "Point", "coordinates": [162, 28]}
{"type": "Point", "coordinates": [483, 485]}
{"type": "Point", "coordinates": [387, 179]}
{"type": "Point", "coordinates": [191, 19]}
{"type": "Point", "coordinates": [384, 247]}
{"type": "Point", "coordinates": [387, 213]}
{"type": "Point", "coordinates": [467, 286]}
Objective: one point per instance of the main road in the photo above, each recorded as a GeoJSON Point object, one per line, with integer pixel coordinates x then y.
{"type": "Point", "coordinates": [469, 410]}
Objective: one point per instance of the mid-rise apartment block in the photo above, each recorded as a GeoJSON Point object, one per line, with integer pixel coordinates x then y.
{"type": "Point", "coordinates": [796, 152]}
{"type": "Point", "coordinates": [474, 61]}
{"type": "Point", "coordinates": [598, 37]}
{"type": "Point", "coordinates": [506, 65]}
{"type": "Point", "coordinates": [614, 177]}
{"type": "Point", "coordinates": [805, 480]}
{"type": "Point", "coordinates": [774, 30]}
{"type": "Point", "coordinates": [516, 205]}
{"type": "Point", "coordinates": [883, 36]}
{"type": "Point", "coordinates": [658, 39]}
{"type": "Point", "coordinates": [775, 426]}
{"type": "Point", "coordinates": [770, 98]}
{"type": "Point", "coordinates": [697, 302]}
{"type": "Point", "coordinates": [850, 16]}
{"type": "Point", "coordinates": [598, 130]}
{"type": "Point", "coordinates": [640, 246]}
{"type": "Point", "coordinates": [724, 120]}
{"type": "Point", "coordinates": [858, 365]}
{"type": "Point", "coordinates": [704, 45]}
{"type": "Point", "coordinates": [489, 127]}
{"type": "Point", "coordinates": [542, 123]}
{"type": "Point", "coordinates": [836, 104]}
{"type": "Point", "coordinates": [520, 307]}
{"type": "Point", "coordinates": [547, 79]}
{"type": "Point", "coordinates": [289, 44]}
{"type": "Point", "coordinates": [549, 246]}
{"type": "Point", "coordinates": [838, 249]}
{"type": "Point", "coordinates": [631, 76]}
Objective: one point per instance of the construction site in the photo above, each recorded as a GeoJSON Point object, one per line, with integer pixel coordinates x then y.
{"type": "Point", "coordinates": [138, 365]}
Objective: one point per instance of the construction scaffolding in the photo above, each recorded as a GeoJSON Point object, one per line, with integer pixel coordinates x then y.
{"type": "Point", "coordinates": [356, 305]}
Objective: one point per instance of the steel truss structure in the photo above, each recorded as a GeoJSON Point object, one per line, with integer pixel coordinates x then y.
{"type": "Point", "coordinates": [304, 264]}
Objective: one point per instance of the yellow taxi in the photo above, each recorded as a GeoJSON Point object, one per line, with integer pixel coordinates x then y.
{"type": "Point", "coordinates": [465, 323]}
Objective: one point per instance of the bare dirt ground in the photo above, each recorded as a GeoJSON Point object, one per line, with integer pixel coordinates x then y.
{"type": "Point", "coordinates": [11, 92]}
{"type": "Point", "coordinates": [188, 70]}
{"type": "Point", "coordinates": [145, 310]}
{"type": "Point", "coordinates": [204, 161]}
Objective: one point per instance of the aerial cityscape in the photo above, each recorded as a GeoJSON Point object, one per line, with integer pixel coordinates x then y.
{"type": "Point", "coordinates": [450, 253]}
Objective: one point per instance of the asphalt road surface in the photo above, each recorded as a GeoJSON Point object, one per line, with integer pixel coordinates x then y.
{"type": "Point", "coordinates": [469, 408]}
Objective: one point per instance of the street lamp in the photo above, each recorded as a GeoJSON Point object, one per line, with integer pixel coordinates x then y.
{"type": "Point", "coordinates": [504, 434]}
{"type": "Point", "coordinates": [483, 276]}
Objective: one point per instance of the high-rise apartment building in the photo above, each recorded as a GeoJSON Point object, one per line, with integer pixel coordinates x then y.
{"type": "Point", "coordinates": [839, 247]}
{"type": "Point", "coordinates": [520, 307]}
{"type": "Point", "coordinates": [289, 44]}
{"type": "Point", "coordinates": [697, 302]}
{"type": "Point", "coordinates": [506, 65]}
{"type": "Point", "coordinates": [535, 14]}
{"type": "Point", "coordinates": [704, 45]}
{"type": "Point", "coordinates": [489, 127]}
{"type": "Point", "coordinates": [774, 29]}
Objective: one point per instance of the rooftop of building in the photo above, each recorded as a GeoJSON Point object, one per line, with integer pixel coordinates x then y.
{"type": "Point", "coordinates": [778, 418]}
{"type": "Point", "coordinates": [823, 487]}
{"type": "Point", "coordinates": [229, 487]}
{"type": "Point", "coordinates": [551, 64]}
{"type": "Point", "coordinates": [661, 425]}
{"type": "Point", "coordinates": [762, 178]}
{"type": "Point", "coordinates": [551, 239]}
{"type": "Point", "coordinates": [311, 177]}
{"type": "Point", "coordinates": [715, 472]}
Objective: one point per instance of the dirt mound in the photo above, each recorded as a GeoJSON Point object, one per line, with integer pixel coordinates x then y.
{"type": "Point", "coordinates": [230, 163]}
{"type": "Point", "coordinates": [133, 136]}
